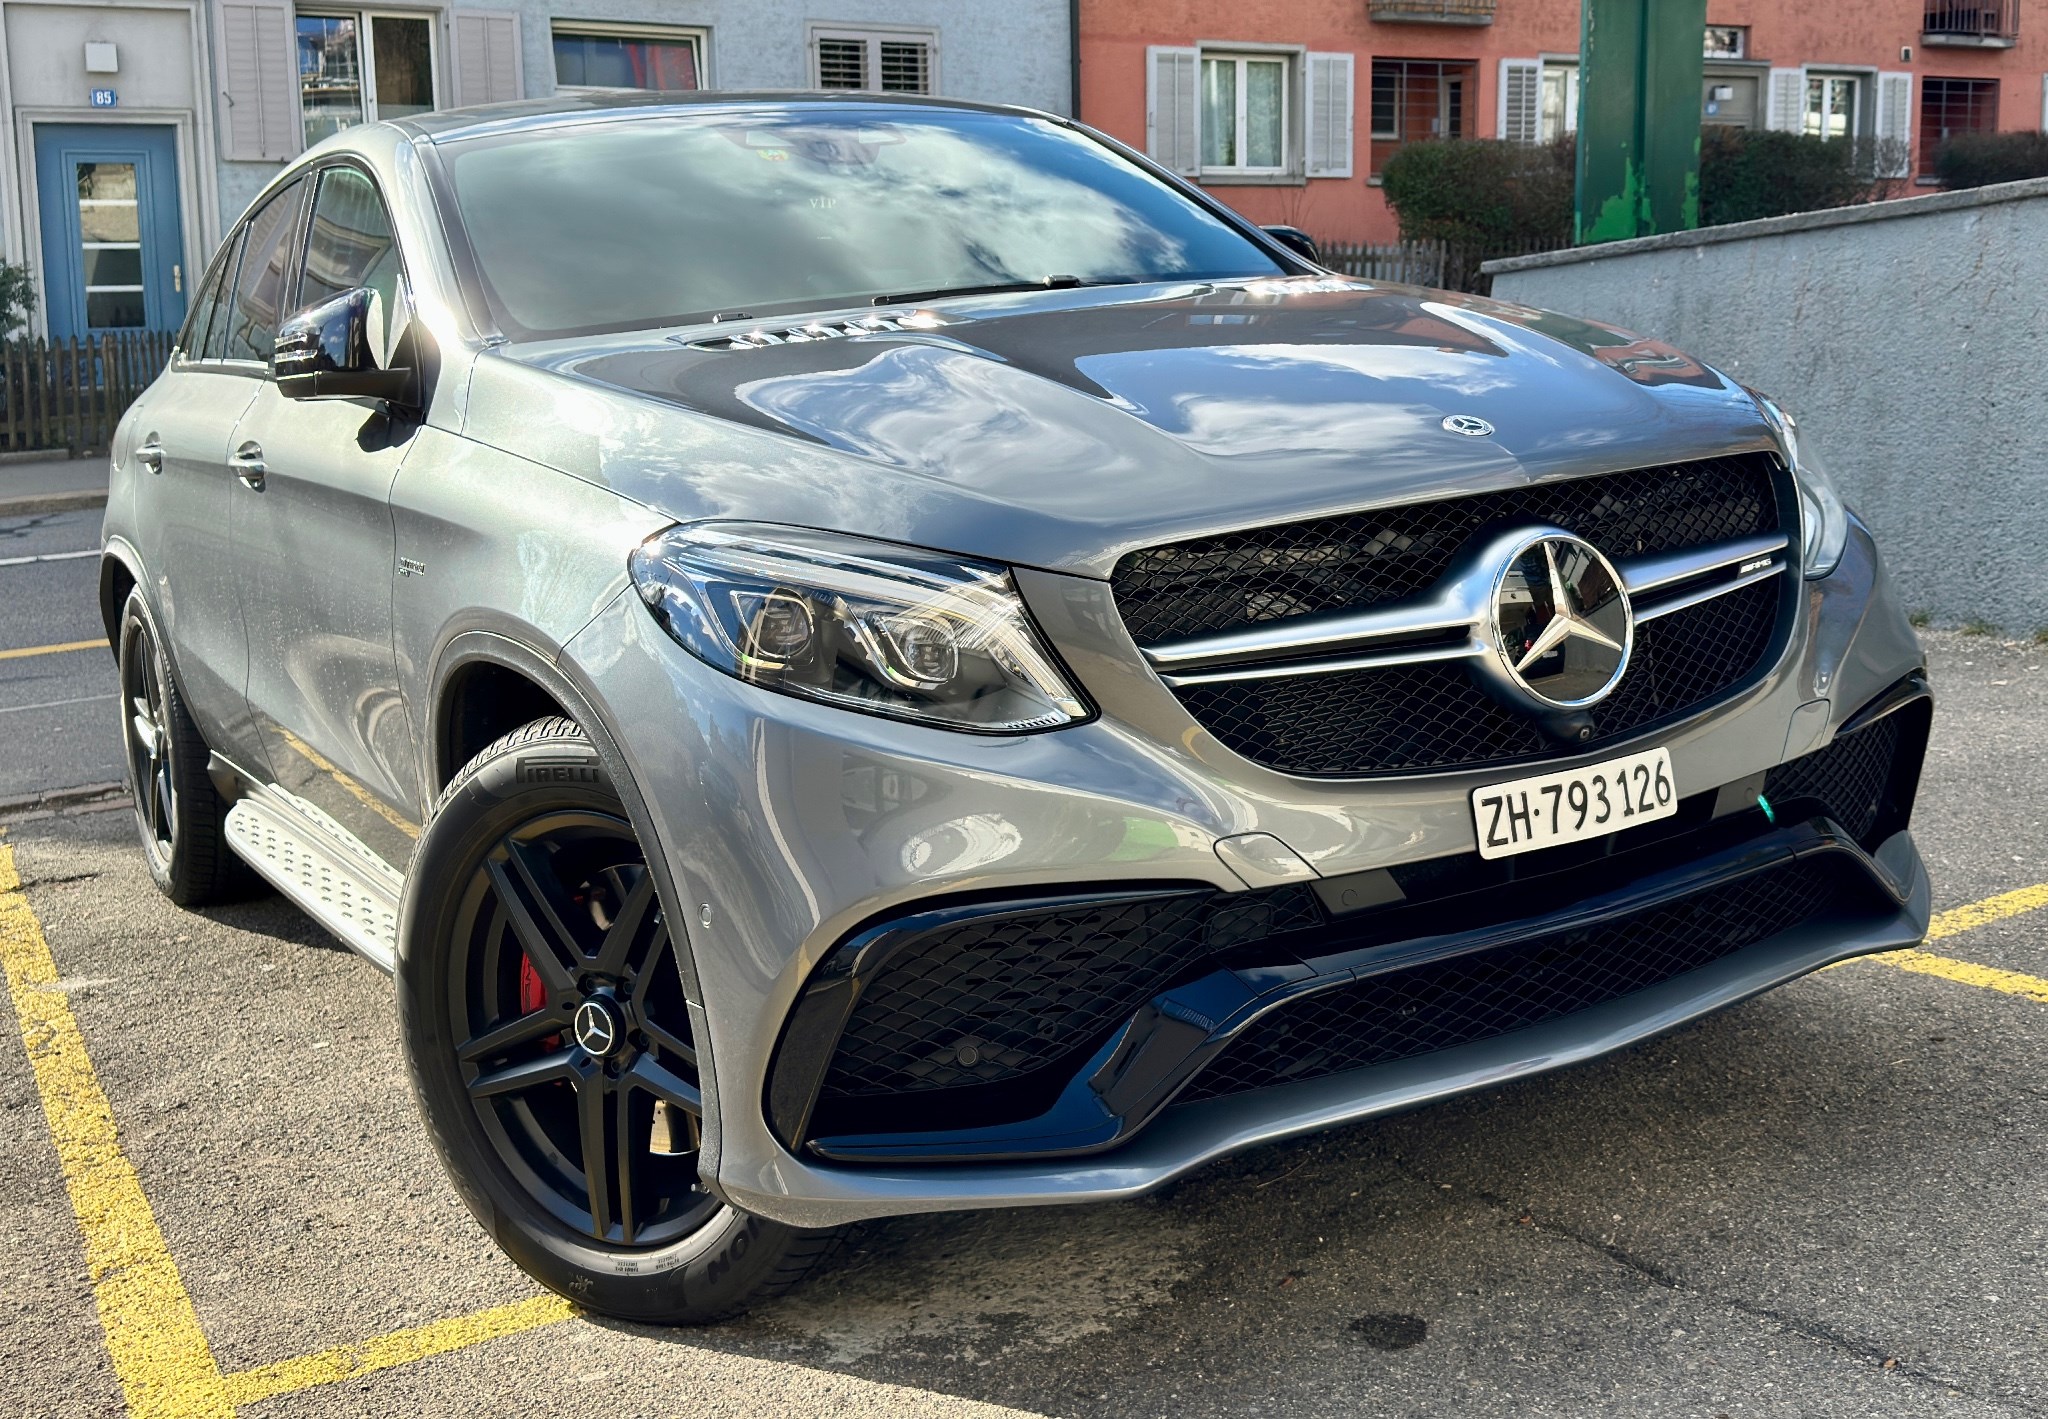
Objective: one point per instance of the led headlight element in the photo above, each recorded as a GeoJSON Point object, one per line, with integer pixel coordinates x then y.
{"type": "Point", "coordinates": [1823, 517]}
{"type": "Point", "coordinates": [865, 625]}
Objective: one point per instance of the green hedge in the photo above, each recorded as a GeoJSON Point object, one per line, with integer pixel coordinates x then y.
{"type": "Point", "coordinates": [1979, 159]}
{"type": "Point", "coordinates": [1485, 198]}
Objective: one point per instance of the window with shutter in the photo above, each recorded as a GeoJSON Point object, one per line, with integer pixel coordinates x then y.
{"type": "Point", "coordinates": [1330, 115]}
{"type": "Point", "coordinates": [1787, 112]}
{"type": "Point", "coordinates": [1521, 100]}
{"type": "Point", "coordinates": [884, 61]}
{"type": "Point", "coordinates": [487, 63]}
{"type": "Point", "coordinates": [256, 68]}
{"type": "Point", "coordinates": [1172, 109]}
{"type": "Point", "coordinates": [1895, 125]}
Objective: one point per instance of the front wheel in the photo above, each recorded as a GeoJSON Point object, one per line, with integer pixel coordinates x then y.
{"type": "Point", "coordinates": [550, 1048]}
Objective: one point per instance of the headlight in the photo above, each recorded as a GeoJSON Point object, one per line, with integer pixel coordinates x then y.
{"type": "Point", "coordinates": [866, 625]}
{"type": "Point", "coordinates": [1823, 518]}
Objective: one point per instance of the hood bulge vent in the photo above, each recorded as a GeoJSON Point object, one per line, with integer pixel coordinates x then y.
{"type": "Point", "coordinates": [757, 336]}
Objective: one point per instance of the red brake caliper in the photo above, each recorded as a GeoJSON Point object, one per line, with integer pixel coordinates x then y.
{"type": "Point", "coordinates": [534, 996]}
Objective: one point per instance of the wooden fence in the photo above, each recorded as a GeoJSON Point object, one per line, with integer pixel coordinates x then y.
{"type": "Point", "coordinates": [1425, 263]}
{"type": "Point", "coordinates": [69, 394]}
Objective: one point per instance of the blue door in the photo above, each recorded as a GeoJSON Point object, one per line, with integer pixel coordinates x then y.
{"type": "Point", "coordinates": [112, 255]}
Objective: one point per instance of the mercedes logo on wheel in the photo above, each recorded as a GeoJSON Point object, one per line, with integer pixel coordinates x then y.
{"type": "Point", "coordinates": [596, 1029]}
{"type": "Point", "coordinates": [1561, 621]}
{"type": "Point", "coordinates": [1470, 425]}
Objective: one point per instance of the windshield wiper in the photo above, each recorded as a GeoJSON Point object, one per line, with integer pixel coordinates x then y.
{"type": "Point", "coordinates": [1049, 283]}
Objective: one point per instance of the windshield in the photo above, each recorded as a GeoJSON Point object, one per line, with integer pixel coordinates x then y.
{"type": "Point", "coordinates": [666, 219]}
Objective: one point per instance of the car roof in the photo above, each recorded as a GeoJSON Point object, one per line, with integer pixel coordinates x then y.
{"type": "Point", "coordinates": [446, 124]}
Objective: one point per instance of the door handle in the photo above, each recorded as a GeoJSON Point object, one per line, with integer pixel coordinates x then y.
{"type": "Point", "coordinates": [248, 464]}
{"type": "Point", "coordinates": [150, 454]}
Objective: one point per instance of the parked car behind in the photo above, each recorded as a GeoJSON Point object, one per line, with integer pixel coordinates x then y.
{"type": "Point", "coordinates": [860, 656]}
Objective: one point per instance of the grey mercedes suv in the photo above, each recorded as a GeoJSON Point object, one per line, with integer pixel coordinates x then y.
{"type": "Point", "coordinates": [861, 656]}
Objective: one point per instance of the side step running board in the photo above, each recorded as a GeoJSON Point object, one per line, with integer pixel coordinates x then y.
{"type": "Point", "coordinates": [314, 861]}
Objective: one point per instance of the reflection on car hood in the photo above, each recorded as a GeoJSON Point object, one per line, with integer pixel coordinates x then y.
{"type": "Point", "coordinates": [1062, 429]}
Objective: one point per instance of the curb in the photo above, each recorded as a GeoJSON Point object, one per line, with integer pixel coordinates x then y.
{"type": "Point", "coordinates": [61, 800]}
{"type": "Point", "coordinates": [51, 502]}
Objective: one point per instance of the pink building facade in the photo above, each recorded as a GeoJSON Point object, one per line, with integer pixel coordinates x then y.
{"type": "Point", "coordinates": [1288, 109]}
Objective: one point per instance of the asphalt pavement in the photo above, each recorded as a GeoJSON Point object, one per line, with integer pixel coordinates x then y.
{"type": "Point", "coordinates": [57, 711]}
{"type": "Point", "coordinates": [1827, 1201]}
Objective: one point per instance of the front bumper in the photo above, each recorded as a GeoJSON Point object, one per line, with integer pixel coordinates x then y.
{"type": "Point", "coordinates": [788, 828]}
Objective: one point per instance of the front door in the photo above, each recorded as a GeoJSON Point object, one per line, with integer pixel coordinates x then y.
{"type": "Point", "coordinates": [113, 257]}
{"type": "Point", "coordinates": [315, 556]}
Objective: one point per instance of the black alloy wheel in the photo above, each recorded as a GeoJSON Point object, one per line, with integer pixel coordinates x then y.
{"type": "Point", "coordinates": [541, 999]}
{"type": "Point", "coordinates": [574, 1036]}
{"type": "Point", "coordinates": [179, 814]}
{"type": "Point", "coordinates": [145, 734]}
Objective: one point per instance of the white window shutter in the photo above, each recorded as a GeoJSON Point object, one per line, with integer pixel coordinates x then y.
{"type": "Point", "coordinates": [1895, 123]}
{"type": "Point", "coordinates": [1173, 109]}
{"type": "Point", "coordinates": [1521, 100]}
{"type": "Point", "coordinates": [1328, 112]}
{"type": "Point", "coordinates": [1786, 109]}
{"type": "Point", "coordinates": [256, 78]}
{"type": "Point", "coordinates": [487, 60]}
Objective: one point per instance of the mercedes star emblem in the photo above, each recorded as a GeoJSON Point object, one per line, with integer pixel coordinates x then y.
{"type": "Point", "coordinates": [596, 1030]}
{"type": "Point", "coordinates": [1561, 621]}
{"type": "Point", "coordinates": [1471, 425]}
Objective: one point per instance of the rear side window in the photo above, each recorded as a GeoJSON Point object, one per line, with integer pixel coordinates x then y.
{"type": "Point", "coordinates": [260, 286]}
{"type": "Point", "coordinates": [349, 245]}
{"type": "Point", "coordinates": [192, 339]}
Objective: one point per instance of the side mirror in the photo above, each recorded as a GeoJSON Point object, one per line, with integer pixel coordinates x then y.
{"type": "Point", "coordinates": [1297, 241]}
{"type": "Point", "coordinates": [325, 352]}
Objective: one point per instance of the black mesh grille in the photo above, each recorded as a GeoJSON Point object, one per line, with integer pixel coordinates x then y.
{"type": "Point", "coordinates": [1402, 1014]}
{"type": "Point", "coordinates": [1361, 559]}
{"type": "Point", "coordinates": [1419, 717]}
{"type": "Point", "coordinates": [992, 999]}
{"type": "Point", "coordinates": [1847, 780]}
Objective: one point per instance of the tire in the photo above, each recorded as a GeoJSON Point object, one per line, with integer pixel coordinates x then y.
{"type": "Point", "coordinates": [541, 1012]}
{"type": "Point", "coordinates": [178, 812]}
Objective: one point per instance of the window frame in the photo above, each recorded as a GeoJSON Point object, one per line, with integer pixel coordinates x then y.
{"type": "Point", "coordinates": [1568, 72]}
{"type": "Point", "coordinates": [1819, 81]}
{"type": "Point", "coordinates": [1466, 71]}
{"type": "Point", "coordinates": [366, 55]}
{"type": "Point", "coordinates": [697, 36]}
{"type": "Point", "coordinates": [874, 37]}
{"type": "Point", "coordinates": [1986, 95]}
{"type": "Point", "coordinates": [1741, 47]}
{"type": "Point", "coordinates": [296, 235]}
{"type": "Point", "coordinates": [1289, 63]}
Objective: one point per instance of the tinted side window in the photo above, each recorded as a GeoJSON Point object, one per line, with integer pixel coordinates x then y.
{"type": "Point", "coordinates": [220, 303]}
{"type": "Point", "coordinates": [259, 288]}
{"type": "Point", "coordinates": [350, 245]}
{"type": "Point", "coordinates": [192, 336]}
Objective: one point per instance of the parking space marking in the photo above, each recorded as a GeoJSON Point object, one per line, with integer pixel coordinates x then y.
{"type": "Point", "coordinates": [161, 1356]}
{"type": "Point", "coordinates": [24, 651]}
{"type": "Point", "coordinates": [348, 1362]}
{"type": "Point", "coordinates": [48, 557]}
{"type": "Point", "coordinates": [56, 704]}
{"type": "Point", "coordinates": [166, 1368]}
{"type": "Point", "coordinates": [1991, 909]}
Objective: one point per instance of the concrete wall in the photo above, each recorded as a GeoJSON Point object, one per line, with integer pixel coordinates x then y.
{"type": "Point", "coordinates": [1909, 338]}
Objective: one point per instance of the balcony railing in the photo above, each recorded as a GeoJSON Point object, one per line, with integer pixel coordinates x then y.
{"type": "Point", "coordinates": [1433, 12]}
{"type": "Point", "coordinates": [1984, 24]}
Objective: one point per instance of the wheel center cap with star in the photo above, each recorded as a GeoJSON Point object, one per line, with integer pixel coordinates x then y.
{"type": "Point", "coordinates": [1561, 621]}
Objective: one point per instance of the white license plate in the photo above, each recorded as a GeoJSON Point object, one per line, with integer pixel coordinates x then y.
{"type": "Point", "coordinates": [1525, 814]}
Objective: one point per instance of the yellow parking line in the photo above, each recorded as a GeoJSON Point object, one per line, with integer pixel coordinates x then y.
{"type": "Point", "coordinates": [1968, 973]}
{"type": "Point", "coordinates": [29, 650]}
{"type": "Point", "coordinates": [348, 1362]}
{"type": "Point", "coordinates": [165, 1366]}
{"type": "Point", "coordinates": [1991, 909]}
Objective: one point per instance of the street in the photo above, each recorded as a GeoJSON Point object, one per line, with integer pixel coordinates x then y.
{"type": "Point", "coordinates": [1823, 1201]}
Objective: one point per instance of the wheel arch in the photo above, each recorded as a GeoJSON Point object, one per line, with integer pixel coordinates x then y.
{"type": "Point", "coordinates": [120, 573]}
{"type": "Point", "coordinates": [477, 662]}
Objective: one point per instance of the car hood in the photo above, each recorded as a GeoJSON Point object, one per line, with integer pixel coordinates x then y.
{"type": "Point", "coordinates": [1062, 429]}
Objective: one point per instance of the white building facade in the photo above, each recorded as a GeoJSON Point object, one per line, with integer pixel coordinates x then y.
{"type": "Point", "coordinates": [139, 129]}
